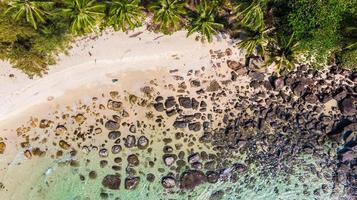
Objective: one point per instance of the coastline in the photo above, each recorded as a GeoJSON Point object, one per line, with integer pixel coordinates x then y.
{"type": "Point", "coordinates": [97, 61]}
{"type": "Point", "coordinates": [250, 115]}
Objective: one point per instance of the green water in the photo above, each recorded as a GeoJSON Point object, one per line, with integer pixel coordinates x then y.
{"type": "Point", "coordinates": [63, 183]}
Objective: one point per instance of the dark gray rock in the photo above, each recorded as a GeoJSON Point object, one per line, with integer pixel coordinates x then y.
{"type": "Point", "coordinates": [112, 125]}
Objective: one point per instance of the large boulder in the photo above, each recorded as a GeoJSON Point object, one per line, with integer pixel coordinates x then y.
{"type": "Point", "coordinates": [191, 179]}
{"type": "Point", "coordinates": [348, 105]}
{"type": "Point", "coordinates": [111, 181]}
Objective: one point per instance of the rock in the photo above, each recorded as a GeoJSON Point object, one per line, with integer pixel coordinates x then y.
{"type": "Point", "coordinates": [93, 175]}
{"type": "Point", "coordinates": [298, 88]}
{"type": "Point", "coordinates": [185, 102]}
{"type": "Point", "coordinates": [159, 107]}
{"type": "Point", "coordinates": [348, 105]}
{"type": "Point", "coordinates": [27, 154]}
{"type": "Point", "coordinates": [278, 83]}
{"type": "Point", "coordinates": [194, 158]}
{"type": "Point", "coordinates": [103, 152]}
{"type": "Point", "coordinates": [168, 182]}
{"type": "Point", "coordinates": [111, 181]}
{"type": "Point", "coordinates": [196, 126]}
{"type": "Point", "coordinates": [150, 177]}
{"type": "Point", "coordinates": [170, 102]}
{"type": "Point", "coordinates": [130, 141]}
{"type": "Point", "coordinates": [113, 135]}
{"type": "Point", "coordinates": [159, 98]}
{"type": "Point", "coordinates": [310, 98]}
{"type": "Point", "coordinates": [346, 155]}
{"type": "Point", "coordinates": [212, 177]}
{"type": "Point", "coordinates": [79, 118]}
{"type": "Point", "coordinates": [112, 125]}
{"type": "Point", "coordinates": [143, 142]}
{"type": "Point", "coordinates": [114, 105]}
{"type": "Point", "coordinates": [2, 147]}
{"type": "Point", "coordinates": [218, 195]}
{"type": "Point", "coordinates": [195, 83]}
{"type": "Point", "coordinates": [64, 145]}
{"type": "Point", "coordinates": [98, 130]}
{"type": "Point", "coordinates": [132, 129]}
{"type": "Point", "coordinates": [234, 65]}
{"type": "Point", "coordinates": [103, 163]}
{"type": "Point", "coordinates": [133, 160]}
{"type": "Point", "coordinates": [339, 94]}
{"type": "Point", "coordinates": [240, 167]}
{"type": "Point", "coordinates": [180, 124]}
{"type": "Point", "coordinates": [257, 76]}
{"type": "Point", "coordinates": [213, 86]}
{"type": "Point", "coordinates": [255, 62]}
{"type": "Point", "coordinates": [171, 112]}
{"type": "Point", "coordinates": [132, 183]}
{"type": "Point", "coordinates": [195, 104]}
{"type": "Point", "coordinates": [44, 123]}
{"type": "Point", "coordinates": [169, 159]}
{"type": "Point", "coordinates": [191, 179]}
{"type": "Point", "coordinates": [61, 130]}
{"type": "Point", "coordinates": [116, 148]}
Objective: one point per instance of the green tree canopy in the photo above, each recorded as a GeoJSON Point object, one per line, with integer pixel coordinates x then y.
{"type": "Point", "coordinates": [204, 22]}
{"type": "Point", "coordinates": [84, 14]}
{"type": "Point", "coordinates": [33, 11]}
{"type": "Point", "coordinates": [168, 14]}
{"type": "Point", "coordinates": [125, 14]}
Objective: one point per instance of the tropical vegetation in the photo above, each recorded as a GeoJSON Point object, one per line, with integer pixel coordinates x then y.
{"type": "Point", "coordinates": [281, 32]}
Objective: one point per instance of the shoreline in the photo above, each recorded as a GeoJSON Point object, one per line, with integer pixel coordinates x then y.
{"type": "Point", "coordinates": [105, 57]}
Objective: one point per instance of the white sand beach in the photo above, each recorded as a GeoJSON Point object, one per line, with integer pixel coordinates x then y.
{"type": "Point", "coordinates": [96, 60]}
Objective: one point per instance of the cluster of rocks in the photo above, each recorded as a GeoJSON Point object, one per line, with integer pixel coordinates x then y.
{"type": "Point", "coordinates": [272, 120]}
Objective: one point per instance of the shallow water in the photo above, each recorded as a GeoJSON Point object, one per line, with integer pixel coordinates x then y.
{"type": "Point", "coordinates": [64, 183]}
{"type": "Point", "coordinates": [66, 177]}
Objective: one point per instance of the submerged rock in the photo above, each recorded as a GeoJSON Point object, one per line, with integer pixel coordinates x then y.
{"type": "Point", "coordinates": [111, 181]}
{"type": "Point", "coordinates": [132, 183]}
{"type": "Point", "coordinates": [133, 160]}
{"type": "Point", "coordinates": [168, 182]}
{"type": "Point", "coordinates": [191, 179]}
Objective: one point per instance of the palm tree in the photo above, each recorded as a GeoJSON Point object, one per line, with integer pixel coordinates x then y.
{"type": "Point", "coordinates": [256, 41]}
{"type": "Point", "coordinates": [284, 52]}
{"type": "Point", "coordinates": [204, 23]}
{"type": "Point", "coordinates": [125, 14]}
{"type": "Point", "coordinates": [84, 14]}
{"type": "Point", "coordinates": [33, 11]}
{"type": "Point", "coordinates": [252, 15]}
{"type": "Point", "coordinates": [168, 14]}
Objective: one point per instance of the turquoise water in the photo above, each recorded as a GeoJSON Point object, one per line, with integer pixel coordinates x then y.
{"type": "Point", "coordinates": [63, 183]}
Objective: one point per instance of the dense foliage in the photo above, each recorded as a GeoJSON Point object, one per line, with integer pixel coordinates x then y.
{"type": "Point", "coordinates": [283, 32]}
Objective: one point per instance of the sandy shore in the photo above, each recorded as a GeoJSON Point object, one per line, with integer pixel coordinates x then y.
{"type": "Point", "coordinates": [98, 60]}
